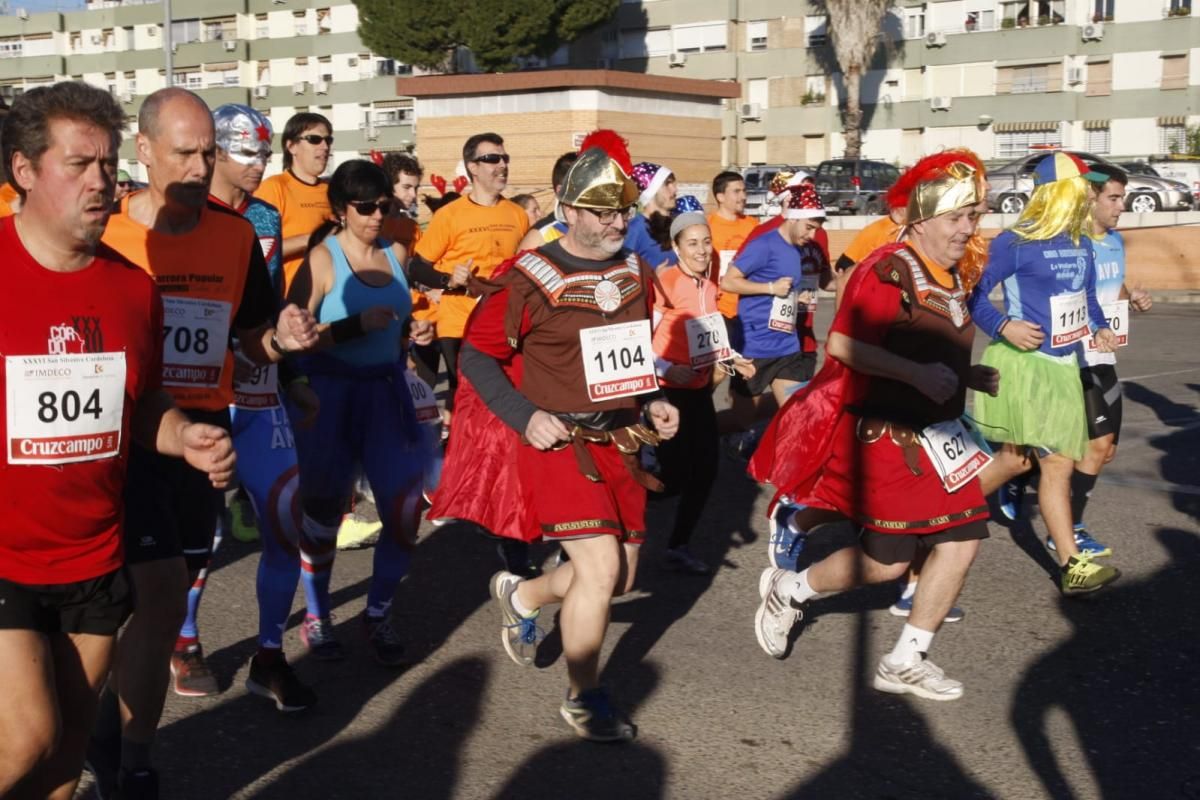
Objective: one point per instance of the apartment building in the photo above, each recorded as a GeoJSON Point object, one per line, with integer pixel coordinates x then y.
{"type": "Point", "coordinates": [280, 56]}
{"type": "Point", "coordinates": [1116, 77]}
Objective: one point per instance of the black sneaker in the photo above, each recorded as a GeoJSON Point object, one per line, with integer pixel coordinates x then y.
{"type": "Point", "coordinates": [139, 784]}
{"type": "Point", "coordinates": [385, 642]}
{"type": "Point", "coordinates": [277, 681]}
{"type": "Point", "coordinates": [593, 717]}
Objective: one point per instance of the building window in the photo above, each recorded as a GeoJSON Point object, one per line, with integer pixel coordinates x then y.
{"type": "Point", "coordinates": [300, 23]}
{"type": "Point", "coordinates": [817, 28]}
{"type": "Point", "coordinates": [756, 35]}
{"type": "Point", "coordinates": [1028, 79]}
{"type": "Point", "coordinates": [704, 37]}
{"type": "Point", "coordinates": [1099, 79]}
{"type": "Point", "coordinates": [184, 31]}
{"type": "Point", "coordinates": [1175, 71]}
{"type": "Point", "coordinates": [190, 79]}
{"type": "Point", "coordinates": [1172, 139]}
{"type": "Point", "coordinates": [216, 30]}
{"type": "Point", "coordinates": [646, 44]}
{"type": "Point", "coordinates": [11, 48]}
{"type": "Point", "coordinates": [131, 82]}
{"type": "Point", "coordinates": [1013, 144]}
{"type": "Point", "coordinates": [1104, 11]}
{"type": "Point", "coordinates": [758, 91]}
{"type": "Point", "coordinates": [756, 151]}
{"type": "Point", "coordinates": [1179, 8]}
{"type": "Point", "coordinates": [262, 28]}
{"type": "Point", "coordinates": [914, 23]}
{"type": "Point", "coordinates": [1098, 141]}
{"type": "Point", "coordinates": [980, 19]}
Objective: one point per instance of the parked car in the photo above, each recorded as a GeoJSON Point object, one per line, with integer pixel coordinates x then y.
{"type": "Point", "coordinates": [1181, 168]}
{"type": "Point", "coordinates": [1138, 168]}
{"type": "Point", "coordinates": [1011, 184]}
{"type": "Point", "coordinates": [854, 186]}
{"type": "Point", "coordinates": [758, 181]}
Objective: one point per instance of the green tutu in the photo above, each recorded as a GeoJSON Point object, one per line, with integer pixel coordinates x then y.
{"type": "Point", "coordinates": [1040, 402]}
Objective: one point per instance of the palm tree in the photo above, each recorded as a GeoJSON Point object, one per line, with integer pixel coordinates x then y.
{"type": "Point", "coordinates": [854, 28]}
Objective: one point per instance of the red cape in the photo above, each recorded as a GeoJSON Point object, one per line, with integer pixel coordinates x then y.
{"type": "Point", "coordinates": [796, 444]}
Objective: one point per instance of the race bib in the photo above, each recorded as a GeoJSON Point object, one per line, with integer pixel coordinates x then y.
{"type": "Point", "coordinates": [956, 456]}
{"type": "Point", "coordinates": [707, 340]}
{"type": "Point", "coordinates": [783, 314]}
{"type": "Point", "coordinates": [1068, 318]}
{"type": "Point", "coordinates": [618, 360]}
{"type": "Point", "coordinates": [725, 258]}
{"type": "Point", "coordinates": [195, 335]}
{"type": "Point", "coordinates": [1118, 323]}
{"type": "Point", "coordinates": [64, 408]}
{"type": "Point", "coordinates": [423, 399]}
{"type": "Point", "coordinates": [255, 386]}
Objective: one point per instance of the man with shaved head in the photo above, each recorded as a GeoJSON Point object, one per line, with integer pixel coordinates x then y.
{"type": "Point", "coordinates": [210, 270]}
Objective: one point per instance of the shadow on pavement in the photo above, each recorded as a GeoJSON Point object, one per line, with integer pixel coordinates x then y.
{"type": "Point", "coordinates": [1127, 681]}
{"type": "Point", "coordinates": [634, 771]}
{"type": "Point", "coordinates": [1180, 463]}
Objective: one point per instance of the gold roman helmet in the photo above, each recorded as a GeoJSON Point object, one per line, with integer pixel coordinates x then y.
{"type": "Point", "coordinates": [945, 190]}
{"type": "Point", "coordinates": [597, 181]}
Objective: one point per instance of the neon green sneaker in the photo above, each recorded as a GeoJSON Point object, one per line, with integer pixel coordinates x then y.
{"type": "Point", "coordinates": [1081, 575]}
{"type": "Point", "coordinates": [244, 525]}
{"type": "Point", "coordinates": [356, 533]}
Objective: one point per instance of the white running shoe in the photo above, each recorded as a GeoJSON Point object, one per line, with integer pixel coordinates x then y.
{"type": "Point", "coordinates": [776, 616]}
{"type": "Point", "coordinates": [920, 676]}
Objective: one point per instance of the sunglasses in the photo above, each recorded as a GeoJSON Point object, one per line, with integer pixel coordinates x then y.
{"type": "Point", "coordinates": [492, 158]}
{"type": "Point", "coordinates": [315, 140]}
{"type": "Point", "coordinates": [369, 208]}
{"type": "Point", "coordinates": [609, 216]}
{"type": "Point", "coordinates": [124, 184]}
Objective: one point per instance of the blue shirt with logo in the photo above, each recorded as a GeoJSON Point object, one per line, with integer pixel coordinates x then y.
{"type": "Point", "coordinates": [764, 259]}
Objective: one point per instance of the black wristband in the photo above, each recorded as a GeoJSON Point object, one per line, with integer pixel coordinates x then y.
{"type": "Point", "coordinates": [277, 347]}
{"type": "Point", "coordinates": [345, 329]}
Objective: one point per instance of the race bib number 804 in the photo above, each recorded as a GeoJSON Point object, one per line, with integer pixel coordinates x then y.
{"type": "Point", "coordinates": [64, 408]}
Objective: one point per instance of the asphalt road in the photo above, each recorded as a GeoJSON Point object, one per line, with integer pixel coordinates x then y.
{"type": "Point", "coordinates": [1064, 698]}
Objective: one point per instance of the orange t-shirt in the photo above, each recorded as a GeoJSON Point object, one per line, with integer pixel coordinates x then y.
{"type": "Point", "coordinates": [7, 195]}
{"type": "Point", "coordinates": [405, 231]}
{"type": "Point", "coordinates": [464, 230]}
{"type": "Point", "coordinates": [303, 206]}
{"type": "Point", "coordinates": [690, 298]}
{"type": "Point", "coordinates": [880, 232]}
{"type": "Point", "coordinates": [727, 237]}
{"type": "Point", "coordinates": [202, 277]}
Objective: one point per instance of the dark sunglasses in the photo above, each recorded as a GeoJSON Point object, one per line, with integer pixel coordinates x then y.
{"type": "Point", "coordinates": [492, 158]}
{"type": "Point", "coordinates": [315, 140]}
{"type": "Point", "coordinates": [368, 208]}
{"type": "Point", "coordinates": [124, 184]}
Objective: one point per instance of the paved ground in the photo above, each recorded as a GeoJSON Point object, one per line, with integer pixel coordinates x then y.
{"type": "Point", "coordinates": [1094, 698]}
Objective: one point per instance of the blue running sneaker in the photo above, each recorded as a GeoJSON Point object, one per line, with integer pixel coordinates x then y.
{"type": "Point", "coordinates": [903, 607]}
{"type": "Point", "coordinates": [784, 546]}
{"type": "Point", "coordinates": [1085, 543]}
{"type": "Point", "coordinates": [1008, 499]}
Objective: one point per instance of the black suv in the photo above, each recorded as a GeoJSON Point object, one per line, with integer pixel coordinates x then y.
{"type": "Point", "coordinates": [854, 186]}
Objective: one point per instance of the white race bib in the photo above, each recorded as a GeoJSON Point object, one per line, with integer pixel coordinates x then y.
{"type": "Point", "coordinates": [725, 258]}
{"type": "Point", "coordinates": [783, 313]}
{"type": "Point", "coordinates": [956, 456]}
{"type": "Point", "coordinates": [1118, 323]}
{"type": "Point", "coordinates": [1068, 318]}
{"type": "Point", "coordinates": [618, 360]}
{"type": "Point", "coordinates": [255, 386]}
{"type": "Point", "coordinates": [424, 401]}
{"type": "Point", "coordinates": [195, 336]}
{"type": "Point", "coordinates": [708, 341]}
{"type": "Point", "coordinates": [64, 408]}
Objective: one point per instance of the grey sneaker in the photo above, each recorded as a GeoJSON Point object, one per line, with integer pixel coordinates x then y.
{"type": "Point", "coordinates": [920, 677]}
{"type": "Point", "coordinates": [519, 635]}
{"type": "Point", "coordinates": [593, 717]}
{"type": "Point", "coordinates": [386, 645]}
{"type": "Point", "coordinates": [776, 616]}
{"type": "Point", "coordinates": [317, 635]}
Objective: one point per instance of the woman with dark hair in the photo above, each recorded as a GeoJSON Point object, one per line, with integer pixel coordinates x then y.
{"type": "Point", "coordinates": [353, 283]}
{"type": "Point", "coordinates": [298, 192]}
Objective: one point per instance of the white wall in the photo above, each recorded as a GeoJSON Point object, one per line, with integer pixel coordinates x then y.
{"type": "Point", "coordinates": [1134, 135]}
{"type": "Point", "coordinates": [1138, 70]}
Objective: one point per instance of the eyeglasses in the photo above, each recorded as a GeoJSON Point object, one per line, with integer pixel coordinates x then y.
{"type": "Point", "coordinates": [369, 208]}
{"type": "Point", "coordinates": [609, 216]}
{"type": "Point", "coordinates": [315, 140]}
{"type": "Point", "coordinates": [124, 184]}
{"type": "Point", "coordinates": [492, 158]}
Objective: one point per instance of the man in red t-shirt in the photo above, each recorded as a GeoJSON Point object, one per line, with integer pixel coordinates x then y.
{"type": "Point", "coordinates": [82, 339]}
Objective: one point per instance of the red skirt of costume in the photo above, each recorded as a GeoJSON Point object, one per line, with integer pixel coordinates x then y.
{"type": "Point", "coordinates": [812, 455]}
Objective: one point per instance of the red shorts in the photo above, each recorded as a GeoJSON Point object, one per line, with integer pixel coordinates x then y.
{"type": "Point", "coordinates": [569, 506]}
{"type": "Point", "coordinates": [871, 484]}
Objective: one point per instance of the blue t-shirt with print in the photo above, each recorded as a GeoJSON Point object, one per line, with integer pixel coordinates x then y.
{"type": "Point", "coordinates": [764, 259]}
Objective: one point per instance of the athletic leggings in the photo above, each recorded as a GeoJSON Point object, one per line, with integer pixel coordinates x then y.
{"type": "Point", "coordinates": [450, 349]}
{"type": "Point", "coordinates": [689, 459]}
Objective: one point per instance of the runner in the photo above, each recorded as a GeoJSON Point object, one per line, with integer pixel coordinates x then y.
{"type": "Point", "coordinates": [262, 433]}
{"type": "Point", "coordinates": [210, 269]}
{"type": "Point", "coordinates": [657, 201]}
{"type": "Point", "coordinates": [1101, 388]}
{"type": "Point", "coordinates": [83, 353]}
{"type": "Point", "coordinates": [730, 229]}
{"type": "Point", "coordinates": [549, 227]}
{"type": "Point", "coordinates": [861, 440]}
{"type": "Point", "coordinates": [689, 340]}
{"type": "Point", "coordinates": [559, 354]}
{"type": "Point", "coordinates": [354, 284]}
{"type": "Point", "coordinates": [1047, 268]}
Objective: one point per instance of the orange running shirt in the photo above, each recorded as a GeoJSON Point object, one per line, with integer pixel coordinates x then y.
{"type": "Point", "coordinates": [464, 230]}
{"type": "Point", "coordinates": [7, 195]}
{"type": "Point", "coordinates": [880, 232]}
{"type": "Point", "coordinates": [727, 237]}
{"type": "Point", "coordinates": [405, 231]}
{"type": "Point", "coordinates": [212, 279]}
{"type": "Point", "coordinates": [303, 206]}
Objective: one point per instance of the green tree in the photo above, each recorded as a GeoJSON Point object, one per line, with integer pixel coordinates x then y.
{"type": "Point", "coordinates": [854, 29]}
{"type": "Point", "coordinates": [424, 33]}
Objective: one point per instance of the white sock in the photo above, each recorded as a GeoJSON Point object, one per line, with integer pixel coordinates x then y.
{"type": "Point", "coordinates": [912, 641]}
{"type": "Point", "coordinates": [518, 606]}
{"type": "Point", "coordinates": [910, 589]}
{"type": "Point", "coordinates": [796, 586]}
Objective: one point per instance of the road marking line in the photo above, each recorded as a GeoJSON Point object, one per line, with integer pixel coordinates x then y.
{"type": "Point", "coordinates": [1158, 374]}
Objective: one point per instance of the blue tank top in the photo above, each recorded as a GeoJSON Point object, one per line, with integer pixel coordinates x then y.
{"type": "Point", "coordinates": [351, 295]}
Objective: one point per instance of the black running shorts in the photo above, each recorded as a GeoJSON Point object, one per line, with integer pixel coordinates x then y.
{"type": "Point", "coordinates": [98, 606]}
{"type": "Point", "coordinates": [1102, 400]}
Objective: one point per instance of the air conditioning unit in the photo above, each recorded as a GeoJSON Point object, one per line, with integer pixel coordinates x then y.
{"type": "Point", "coordinates": [152, 30]}
{"type": "Point", "coordinates": [262, 90]}
{"type": "Point", "coordinates": [1092, 32]}
{"type": "Point", "coordinates": [1074, 75]}
{"type": "Point", "coordinates": [299, 87]}
{"type": "Point", "coordinates": [321, 87]}
{"type": "Point", "coordinates": [96, 39]}
{"type": "Point", "coordinates": [941, 103]}
{"type": "Point", "coordinates": [22, 13]}
{"type": "Point", "coordinates": [750, 111]}
{"type": "Point", "coordinates": [174, 47]}
{"type": "Point", "coordinates": [677, 59]}
{"type": "Point", "coordinates": [230, 45]}
{"type": "Point", "coordinates": [935, 39]}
